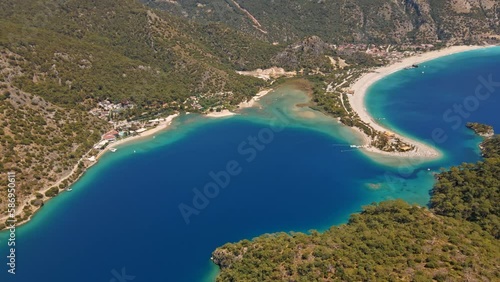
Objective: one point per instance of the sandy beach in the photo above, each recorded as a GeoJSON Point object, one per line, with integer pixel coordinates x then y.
{"type": "Point", "coordinates": [250, 103]}
{"type": "Point", "coordinates": [247, 104]}
{"type": "Point", "coordinates": [164, 124]}
{"type": "Point", "coordinates": [161, 126]}
{"type": "Point", "coordinates": [223, 113]}
{"type": "Point", "coordinates": [360, 87]}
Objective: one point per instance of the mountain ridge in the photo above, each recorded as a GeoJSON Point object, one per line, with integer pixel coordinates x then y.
{"type": "Point", "coordinates": [353, 21]}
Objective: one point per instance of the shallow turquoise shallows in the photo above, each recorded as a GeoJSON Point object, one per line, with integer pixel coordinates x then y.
{"type": "Point", "coordinates": [156, 209]}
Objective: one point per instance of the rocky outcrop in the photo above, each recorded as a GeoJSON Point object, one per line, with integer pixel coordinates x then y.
{"type": "Point", "coordinates": [311, 49]}
{"type": "Point", "coordinates": [224, 258]}
{"type": "Point", "coordinates": [481, 129]}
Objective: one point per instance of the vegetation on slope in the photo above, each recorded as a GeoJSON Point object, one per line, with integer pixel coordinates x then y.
{"type": "Point", "coordinates": [60, 58]}
{"type": "Point", "coordinates": [472, 191]}
{"type": "Point", "coordinates": [121, 51]}
{"type": "Point", "coordinates": [390, 241]}
{"type": "Point", "coordinates": [355, 21]}
{"type": "Point", "coordinates": [41, 143]}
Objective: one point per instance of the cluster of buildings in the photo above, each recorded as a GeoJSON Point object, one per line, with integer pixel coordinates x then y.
{"type": "Point", "coordinates": [122, 128]}
{"type": "Point", "coordinates": [106, 109]}
{"type": "Point", "coordinates": [193, 102]}
{"type": "Point", "coordinates": [127, 128]}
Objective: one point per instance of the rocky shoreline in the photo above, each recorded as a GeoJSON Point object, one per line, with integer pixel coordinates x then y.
{"type": "Point", "coordinates": [482, 130]}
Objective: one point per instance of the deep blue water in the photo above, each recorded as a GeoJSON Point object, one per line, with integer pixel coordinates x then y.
{"type": "Point", "coordinates": [124, 213]}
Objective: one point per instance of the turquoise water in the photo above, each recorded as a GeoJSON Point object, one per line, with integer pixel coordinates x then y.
{"type": "Point", "coordinates": [278, 168]}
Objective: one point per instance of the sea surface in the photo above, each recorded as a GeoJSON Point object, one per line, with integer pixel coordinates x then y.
{"type": "Point", "coordinates": [155, 209]}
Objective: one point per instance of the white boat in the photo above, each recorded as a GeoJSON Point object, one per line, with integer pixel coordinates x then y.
{"type": "Point", "coordinates": [356, 146]}
{"type": "Point", "coordinates": [69, 189]}
{"type": "Point", "coordinates": [112, 149]}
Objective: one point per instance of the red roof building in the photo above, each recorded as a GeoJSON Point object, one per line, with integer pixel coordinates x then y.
{"type": "Point", "coordinates": [110, 135]}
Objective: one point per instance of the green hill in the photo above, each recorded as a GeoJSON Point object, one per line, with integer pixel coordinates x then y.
{"type": "Point", "coordinates": [472, 191]}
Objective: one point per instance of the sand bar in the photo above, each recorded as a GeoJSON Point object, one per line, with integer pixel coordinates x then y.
{"type": "Point", "coordinates": [360, 87]}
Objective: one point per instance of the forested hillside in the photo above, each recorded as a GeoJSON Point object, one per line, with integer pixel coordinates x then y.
{"type": "Point", "coordinates": [352, 21]}
{"type": "Point", "coordinates": [81, 50]}
{"type": "Point", "coordinates": [472, 191]}
{"type": "Point", "coordinates": [390, 241]}
{"type": "Point", "coordinates": [60, 58]}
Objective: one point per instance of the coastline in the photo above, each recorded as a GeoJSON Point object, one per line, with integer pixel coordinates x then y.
{"type": "Point", "coordinates": [361, 86]}
{"type": "Point", "coordinates": [150, 133]}
{"type": "Point", "coordinates": [246, 104]}
{"type": "Point", "coordinates": [356, 101]}
{"type": "Point", "coordinates": [250, 103]}
{"type": "Point", "coordinates": [85, 158]}
{"type": "Point", "coordinates": [223, 113]}
{"type": "Point", "coordinates": [161, 126]}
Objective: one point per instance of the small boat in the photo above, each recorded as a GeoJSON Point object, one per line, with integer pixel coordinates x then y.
{"type": "Point", "coordinates": [414, 66]}
{"type": "Point", "coordinates": [112, 149]}
{"type": "Point", "coordinates": [69, 189]}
